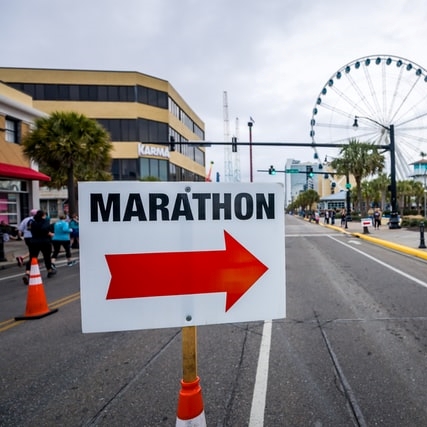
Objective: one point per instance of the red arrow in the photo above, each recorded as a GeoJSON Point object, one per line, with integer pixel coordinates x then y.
{"type": "Point", "coordinates": [233, 270]}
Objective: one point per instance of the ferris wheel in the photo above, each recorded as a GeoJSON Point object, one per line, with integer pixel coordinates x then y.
{"type": "Point", "coordinates": [365, 97]}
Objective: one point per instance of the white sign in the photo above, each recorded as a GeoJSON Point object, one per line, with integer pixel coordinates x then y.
{"type": "Point", "coordinates": [366, 222]}
{"type": "Point", "coordinates": [174, 254]}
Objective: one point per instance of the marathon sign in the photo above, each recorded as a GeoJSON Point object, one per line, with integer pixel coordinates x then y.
{"type": "Point", "coordinates": [168, 254]}
{"type": "Point", "coordinates": [187, 206]}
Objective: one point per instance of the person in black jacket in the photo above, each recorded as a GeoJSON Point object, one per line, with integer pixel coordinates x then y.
{"type": "Point", "coordinates": [41, 234]}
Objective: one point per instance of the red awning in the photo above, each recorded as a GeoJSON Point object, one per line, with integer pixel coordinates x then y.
{"type": "Point", "coordinates": [21, 172]}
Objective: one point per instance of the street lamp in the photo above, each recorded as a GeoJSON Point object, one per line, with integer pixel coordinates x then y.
{"type": "Point", "coordinates": [250, 124]}
{"type": "Point", "coordinates": [394, 214]}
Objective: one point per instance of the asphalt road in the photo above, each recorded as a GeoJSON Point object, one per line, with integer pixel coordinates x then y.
{"type": "Point", "coordinates": [351, 352]}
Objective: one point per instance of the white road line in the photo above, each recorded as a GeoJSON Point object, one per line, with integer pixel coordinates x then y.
{"type": "Point", "coordinates": [256, 418]}
{"type": "Point", "coordinates": [407, 276]}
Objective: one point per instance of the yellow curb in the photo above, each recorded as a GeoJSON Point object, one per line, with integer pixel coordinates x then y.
{"type": "Point", "coordinates": [394, 246]}
{"type": "Point", "coordinates": [337, 228]}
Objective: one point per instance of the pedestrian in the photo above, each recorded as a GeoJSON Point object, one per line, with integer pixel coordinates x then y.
{"type": "Point", "coordinates": [316, 217]}
{"type": "Point", "coordinates": [377, 218]}
{"type": "Point", "coordinates": [343, 217]}
{"type": "Point", "coordinates": [40, 242]}
{"type": "Point", "coordinates": [326, 217]}
{"type": "Point", "coordinates": [61, 237]}
{"type": "Point", "coordinates": [25, 233]}
{"type": "Point", "coordinates": [332, 217]}
{"type": "Point", "coordinates": [74, 225]}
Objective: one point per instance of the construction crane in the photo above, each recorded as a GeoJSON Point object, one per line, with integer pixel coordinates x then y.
{"type": "Point", "coordinates": [208, 176]}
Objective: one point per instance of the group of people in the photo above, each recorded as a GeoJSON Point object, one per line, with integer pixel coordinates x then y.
{"type": "Point", "coordinates": [330, 216]}
{"type": "Point", "coordinates": [41, 236]}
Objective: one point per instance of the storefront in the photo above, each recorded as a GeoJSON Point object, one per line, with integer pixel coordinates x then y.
{"type": "Point", "coordinates": [19, 179]}
{"type": "Point", "coordinates": [16, 188]}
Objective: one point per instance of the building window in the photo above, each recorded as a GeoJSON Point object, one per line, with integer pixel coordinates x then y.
{"type": "Point", "coordinates": [12, 130]}
{"type": "Point", "coordinates": [154, 168]}
{"type": "Point", "coordinates": [94, 93]}
{"type": "Point", "coordinates": [9, 208]}
{"type": "Point", "coordinates": [125, 169]}
{"type": "Point", "coordinates": [143, 130]}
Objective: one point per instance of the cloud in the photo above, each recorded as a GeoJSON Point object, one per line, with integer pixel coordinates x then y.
{"type": "Point", "coordinates": [273, 57]}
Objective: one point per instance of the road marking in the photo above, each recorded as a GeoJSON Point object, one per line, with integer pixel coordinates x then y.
{"type": "Point", "coordinates": [66, 300]}
{"type": "Point", "coordinates": [256, 418]}
{"type": "Point", "coordinates": [407, 276]}
{"type": "Point", "coordinates": [355, 242]}
{"type": "Point", "coordinates": [12, 276]}
{"type": "Point", "coordinates": [10, 323]}
{"type": "Point", "coordinates": [309, 235]}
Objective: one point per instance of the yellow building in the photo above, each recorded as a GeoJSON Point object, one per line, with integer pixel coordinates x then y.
{"type": "Point", "coordinates": [139, 112]}
{"type": "Point", "coordinates": [136, 109]}
{"type": "Point", "coordinates": [19, 179]}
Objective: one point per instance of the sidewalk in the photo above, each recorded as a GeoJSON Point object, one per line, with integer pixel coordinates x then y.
{"type": "Point", "coordinates": [407, 240]}
{"type": "Point", "coordinates": [14, 248]}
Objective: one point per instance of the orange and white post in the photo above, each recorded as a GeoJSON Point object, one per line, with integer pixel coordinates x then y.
{"type": "Point", "coordinates": [190, 411]}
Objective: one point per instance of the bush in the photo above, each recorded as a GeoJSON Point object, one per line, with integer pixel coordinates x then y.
{"type": "Point", "coordinates": [412, 221]}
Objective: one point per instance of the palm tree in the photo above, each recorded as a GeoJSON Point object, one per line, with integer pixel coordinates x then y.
{"type": "Point", "coordinates": [360, 159]}
{"type": "Point", "coordinates": [369, 193]}
{"type": "Point", "coordinates": [405, 191]}
{"type": "Point", "coordinates": [418, 194]}
{"type": "Point", "coordinates": [381, 183]}
{"type": "Point", "coordinates": [306, 199]}
{"type": "Point", "coordinates": [70, 147]}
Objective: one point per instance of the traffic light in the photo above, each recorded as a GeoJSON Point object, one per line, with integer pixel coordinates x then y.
{"type": "Point", "coordinates": [309, 171]}
{"type": "Point", "coordinates": [272, 171]}
{"type": "Point", "coordinates": [172, 143]}
{"type": "Point", "coordinates": [234, 144]}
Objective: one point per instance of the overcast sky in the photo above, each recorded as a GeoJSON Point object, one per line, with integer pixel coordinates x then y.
{"type": "Point", "coordinates": [272, 57]}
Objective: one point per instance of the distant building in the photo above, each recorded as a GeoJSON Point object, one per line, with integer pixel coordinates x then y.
{"type": "Point", "coordinates": [332, 188]}
{"type": "Point", "coordinates": [139, 112]}
{"type": "Point", "coordinates": [334, 201]}
{"type": "Point", "coordinates": [420, 171]}
{"type": "Point", "coordinates": [19, 178]}
{"type": "Point", "coordinates": [297, 182]}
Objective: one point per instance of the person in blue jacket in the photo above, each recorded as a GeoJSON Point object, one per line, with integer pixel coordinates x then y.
{"type": "Point", "coordinates": [61, 237]}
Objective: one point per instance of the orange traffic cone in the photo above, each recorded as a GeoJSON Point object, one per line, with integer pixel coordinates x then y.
{"type": "Point", "coordinates": [190, 411]}
{"type": "Point", "coordinates": [36, 298]}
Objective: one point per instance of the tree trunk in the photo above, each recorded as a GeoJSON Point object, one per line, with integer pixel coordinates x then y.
{"type": "Point", "coordinates": [71, 192]}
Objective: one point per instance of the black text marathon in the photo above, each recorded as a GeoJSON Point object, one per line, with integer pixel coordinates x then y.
{"type": "Point", "coordinates": [181, 207]}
